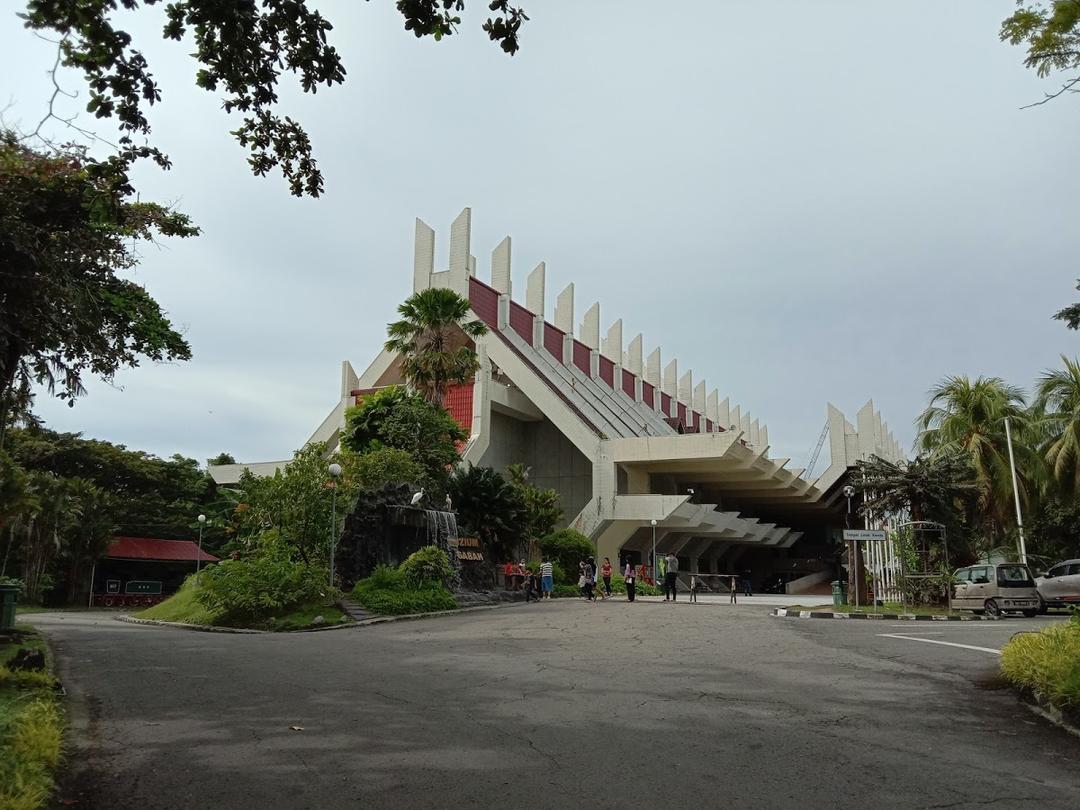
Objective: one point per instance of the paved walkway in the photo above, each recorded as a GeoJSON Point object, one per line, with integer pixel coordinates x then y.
{"type": "Point", "coordinates": [555, 705]}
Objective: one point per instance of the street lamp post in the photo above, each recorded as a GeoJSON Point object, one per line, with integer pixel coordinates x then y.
{"type": "Point", "coordinates": [853, 549]}
{"type": "Point", "coordinates": [335, 472]}
{"type": "Point", "coordinates": [1016, 494]}
{"type": "Point", "coordinates": [198, 557]}
{"type": "Point", "coordinates": [653, 521]}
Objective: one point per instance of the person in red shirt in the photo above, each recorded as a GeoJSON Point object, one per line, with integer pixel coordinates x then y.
{"type": "Point", "coordinates": [605, 573]}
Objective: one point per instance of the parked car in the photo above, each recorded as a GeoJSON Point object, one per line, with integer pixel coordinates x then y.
{"type": "Point", "coordinates": [995, 589]}
{"type": "Point", "coordinates": [1060, 586]}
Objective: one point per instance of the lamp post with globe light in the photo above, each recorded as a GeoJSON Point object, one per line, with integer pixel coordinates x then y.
{"type": "Point", "coordinates": [335, 473]}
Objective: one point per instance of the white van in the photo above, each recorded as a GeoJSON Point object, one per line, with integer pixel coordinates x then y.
{"type": "Point", "coordinates": [995, 589]}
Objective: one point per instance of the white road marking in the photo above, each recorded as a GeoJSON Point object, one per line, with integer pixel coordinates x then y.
{"type": "Point", "coordinates": [920, 632]}
{"type": "Point", "coordinates": [990, 650]}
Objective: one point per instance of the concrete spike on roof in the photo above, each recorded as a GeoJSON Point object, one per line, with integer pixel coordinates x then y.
{"type": "Point", "coordinates": [633, 355]}
{"type": "Point", "coordinates": [686, 387]}
{"type": "Point", "coordinates": [500, 267]}
{"type": "Point", "coordinates": [564, 310]}
{"type": "Point", "coordinates": [589, 333]}
{"type": "Point", "coordinates": [612, 346]}
{"type": "Point", "coordinates": [534, 290]}
{"type": "Point", "coordinates": [652, 369]}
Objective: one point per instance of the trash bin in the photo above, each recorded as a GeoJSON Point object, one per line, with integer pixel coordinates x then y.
{"type": "Point", "coordinates": [9, 596]}
{"type": "Point", "coordinates": [839, 592]}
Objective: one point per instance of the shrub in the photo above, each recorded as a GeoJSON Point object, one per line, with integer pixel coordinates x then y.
{"type": "Point", "coordinates": [1048, 663]}
{"type": "Point", "coordinates": [428, 566]}
{"type": "Point", "coordinates": [567, 548]}
{"type": "Point", "coordinates": [399, 602]}
{"type": "Point", "coordinates": [31, 752]}
{"type": "Point", "coordinates": [265, 582]}
{"type": "Point", "coordinates": [388, 465]}
{"type": "Point", "coordinates": [26, 678]}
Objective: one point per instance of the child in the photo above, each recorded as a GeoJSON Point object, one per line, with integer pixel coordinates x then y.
{"type": "Point", "coordinates": [734, 592]}
{"type": "Point", "coordinates": [693, 588]}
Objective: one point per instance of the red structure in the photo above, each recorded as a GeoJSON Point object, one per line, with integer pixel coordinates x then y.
{"type": "Point", "coordinates": [142, 571]}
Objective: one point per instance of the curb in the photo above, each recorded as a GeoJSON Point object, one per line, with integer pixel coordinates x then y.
{"type": "Point", "coordinates": [903, 617]}
{"type": "Point", "coordinates": [1036, 704]}
{"type": "Point", "coordinates": [208, 628]}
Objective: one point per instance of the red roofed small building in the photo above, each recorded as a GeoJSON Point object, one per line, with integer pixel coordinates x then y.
{"type": "Point", "coordinates": [141, 571]}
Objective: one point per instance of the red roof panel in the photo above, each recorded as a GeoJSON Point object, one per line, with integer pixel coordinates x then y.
{"type": "Point", "coordinates": [145, 548]}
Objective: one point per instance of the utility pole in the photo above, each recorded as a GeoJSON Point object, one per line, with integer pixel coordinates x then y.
{"type": "Point", "coordinates": [1016, 493]}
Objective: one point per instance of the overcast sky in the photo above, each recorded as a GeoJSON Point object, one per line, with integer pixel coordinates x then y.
{"type": "Point", "coordinates": [802, 202]}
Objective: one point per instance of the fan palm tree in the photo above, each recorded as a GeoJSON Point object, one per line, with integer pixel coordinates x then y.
{"type": "Point", "coordinates": [1057, 409]}
{"type": "Point", "coordinates": [929, 487]}
{"type": "Point", "coordinates": [967, 417]}
{"type": "Point", "coordinates": [433, 338]}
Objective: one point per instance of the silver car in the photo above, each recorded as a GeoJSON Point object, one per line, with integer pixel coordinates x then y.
{"type": "Point", "coordinates": [995, 589]}
{"type": "Point", "coordinates": [1060, 586]}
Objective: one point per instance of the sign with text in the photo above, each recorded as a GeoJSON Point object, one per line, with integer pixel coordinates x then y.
{"type": "Point", "coordinates": [468, 549]}
{"type": "Point", "coordinates": [877, 535]}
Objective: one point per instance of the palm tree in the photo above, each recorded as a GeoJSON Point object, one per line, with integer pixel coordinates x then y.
{"type": "Point", "coordinates": [967, 418]}
{"type": "Point", "coordinates": [433, 338]}
{"type": "Point", "coordinates": [928, 487]}
{"type": "Point", "coordinates": [1057, 410]}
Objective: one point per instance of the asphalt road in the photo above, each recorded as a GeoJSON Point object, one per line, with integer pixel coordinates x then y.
{"type": "Point", "coordinates": [556, 705]}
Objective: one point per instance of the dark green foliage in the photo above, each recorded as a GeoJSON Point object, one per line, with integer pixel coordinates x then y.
{"type": "Point", "coordinates": [397, 419]}
{"type": "Point", "coordinates": [930, 487]}
{"type": "Point", "coordinates": [241, 49]}
{"type": "Point", "coordinates": [489, 508]}
{"type": "Point", "coordinates": [568, 548]}
{"type": "Point", "coordinates": [388, 465]}
{"type": "Point", "coordinates": [387, 592]}
{"type": "Point", "coordinates": [69, 226]}
{"type": "Point", "coordinates": [272, 579]}
{"type": "Point", "coordinates": [1071, 314]}
{"type": "Point", "coordinates": [433, 339]}
{"type": "Point", "coordinates": [426, 567]}
{"type": "Point", "coordinates": [1053, 532]}
{"type": "Point", "coordinates": [540, 507]}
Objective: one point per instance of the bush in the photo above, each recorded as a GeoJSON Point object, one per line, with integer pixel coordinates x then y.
{"type": "Point", "coordinates": [399, 602]}
{"type": "Point", "coordinates": [641, 587]}
{"type": "Point", "coordinates": [567, 548]}
{"type": "Point", "coordinates": [1048, 663]}
{"type": "Point", "coordinates": [428, 566]}
{"type": "Point", "coordinates": [29, 755]}
{"type": "Point", "coordinates": [266, 582]}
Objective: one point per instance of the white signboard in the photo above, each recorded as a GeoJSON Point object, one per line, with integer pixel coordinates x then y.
{"type": "Point", "coordinates": [864, 534]}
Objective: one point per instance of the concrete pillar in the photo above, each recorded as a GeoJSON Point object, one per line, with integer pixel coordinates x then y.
{"type": "Point", "coordinates": [589, 333]}
{"type": "Point", "coordinates": [460, 235]}
{"type": "Point", "coordinates": [712, 409]}
{"type": "Point", "coordinates": [564, 310]}
{"type": "Point", "coordinates": [735, 418]}
{"type": "Point", "coordinates": [633, 360]}
{"type": "Point", "coordinates": [671, 384]}
{"type": "Point", "coordinates": [612, 347]}
{"type": "Point", "coordinates": [652, 370]}
{"type": "Point", "coordinates": [534, 290]}
{"type": "Point", "coordinates": [686, 388]}
{"type": "Point", "coordinates": [500, 267]}
{"type": "Point", "coordinates": [423, 256]}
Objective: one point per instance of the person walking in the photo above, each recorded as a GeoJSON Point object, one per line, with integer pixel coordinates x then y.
{"type": "Point", "coordinates": [734, 591]}
{"type": "Point", "coordinates": [693, 588]}
{"type": "Point", "coordinates": [605, 572]}
{"type": "Point", "coordinates": [588, 570]}
{"type": "Point", "coordinates": [747, 588]}
{"type": "Point", "coordinates": [547, 578]}
{"type": "Point", "coordinates": [671, 577]}
{"type": "Point", "coordinates": [631, 581]}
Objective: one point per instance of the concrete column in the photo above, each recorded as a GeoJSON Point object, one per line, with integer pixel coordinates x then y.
{"type": "Point", "coordinates": [534, 290]}
{"type": "Point", "coordinates": [504, 312]}
{"type": "Point", "coordinates": [538, 332]}
{"type": "Point", "coordinates": [594, 363]}
{"type": "Point", "coordinates": [671, 384]}
{"type": "Point", "coordinates": [564, 310]}
{"type": "Point", "coordinates": [460, 234]}
{"type": "Point", "coordinates": [423, 256]}
{"type": "Point", "coordinates": [568, 349]}
{"type": "Point", "coordinates": [500, 267]}
{"type": "Point", "coordinates": [612, 347]}
{"type": "Point", "coordinates": [589, 334]}
{"type": "Point", "coordinates": [633, 359]}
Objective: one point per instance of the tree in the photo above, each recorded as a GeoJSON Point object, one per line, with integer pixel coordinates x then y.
{"type": "Point", "coordinates": [567, 548]}
{"type": "Point", "coordinates": [296, 501]}
{"type": "Point", "coordinates": [540, 507]}
{"type": "Point", "coordinates": [1051, 31]}
{"type": "Point", "coordinates": [241, 48]}
{"type": "Point", "coordinates": [397, 418]}
{"type": "Point", "coordinates": [1057, 405]}
{"type": "Point", "coordinates": [220, 459]}
{"type": "Point", "coordinates": [68, 226]}
{"type": "Point", "coordinates": [1071, 314]}
{"type": "Point", "coordinates": [967, 418]}
{"type": "Point", "coordinates": [490, 508]}
{"type": "Point", "coordinates": [929, 487]}
{"type": "Point", "coordinates": [433, 338]}
{"type": "Point", "coordinates": [388, 465]}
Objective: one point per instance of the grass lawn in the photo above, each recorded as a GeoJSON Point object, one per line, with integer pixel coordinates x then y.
{"type": "Point", "coordinates": [888, 607]}
{"type": "Point", "coordinates": [184, 606]}
{"type": "Point", "coordinates": [31, 729]}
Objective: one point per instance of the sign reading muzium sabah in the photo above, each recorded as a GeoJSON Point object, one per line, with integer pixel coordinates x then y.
{"type": "Point", "coordinates": [864, 534]}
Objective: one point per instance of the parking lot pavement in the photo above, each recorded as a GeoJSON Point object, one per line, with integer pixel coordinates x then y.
{"type": "Point", "coordinates": [550, 706]}
{"type": "Point", "coordinates": [970, 649]}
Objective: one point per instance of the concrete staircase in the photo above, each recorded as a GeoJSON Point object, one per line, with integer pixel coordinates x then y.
{"type": "Point", "coordinates": [354, 611]}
